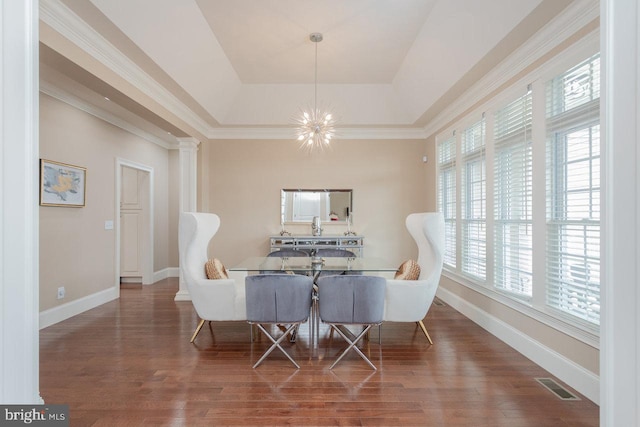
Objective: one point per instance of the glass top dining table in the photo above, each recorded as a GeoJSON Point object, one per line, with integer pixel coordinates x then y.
{"type": "Point", "coordinates": [314, 266]}
{"type": "Point", "coordinates": [302, 265]}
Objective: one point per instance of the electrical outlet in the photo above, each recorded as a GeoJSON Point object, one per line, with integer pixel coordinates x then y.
{"type": "Point", "coordinates": [61, 292]}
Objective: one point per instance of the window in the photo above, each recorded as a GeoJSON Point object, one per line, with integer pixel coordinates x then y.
{"type": "Point", "coordinates": [447, 196]}
{"type": "Point", "coordinates": [513, 269]}
{"type": "Point", "coordinates": [473, 201]}
{"type": "Point", "coordinates": [531, 160]}
{"type": "Point", "coordinates": [573, 192]}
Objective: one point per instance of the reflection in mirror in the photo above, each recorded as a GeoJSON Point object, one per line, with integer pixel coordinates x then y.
{"type": "Point", "coordinates": [301, 205]}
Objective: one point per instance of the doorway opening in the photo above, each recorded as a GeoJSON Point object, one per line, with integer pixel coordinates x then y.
{"type": "Point", "coordinates": [134, 224]}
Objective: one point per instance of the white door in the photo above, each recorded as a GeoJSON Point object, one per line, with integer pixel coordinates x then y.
{"type": "Point", "coordinates": [132, 224]}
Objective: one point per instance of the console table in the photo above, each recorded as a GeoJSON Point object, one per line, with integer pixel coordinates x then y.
{"type": "Point", "coordinates": [351, 243]}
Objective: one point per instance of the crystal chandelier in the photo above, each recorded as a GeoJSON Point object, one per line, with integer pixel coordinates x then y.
{"type": "Point", "coordinates": [315, 128]}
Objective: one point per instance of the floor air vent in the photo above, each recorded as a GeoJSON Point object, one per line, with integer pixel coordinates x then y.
{"type": "Point", "coordinates": [557, 389]}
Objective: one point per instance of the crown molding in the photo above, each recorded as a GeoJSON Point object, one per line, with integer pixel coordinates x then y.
{"type": "Point", "coordinates": [188, 143]}
{"type": "Point", "coordinates": [341, 133]}
{"type": "Point", "coordinates": [381, 133]}
{"type": "Point", "coordinates": [62, 19]}
{"type": "Point", "coordinates": [64, 96]}
{"type": "Point", "coordinates": [572, 19]}
{"type": "Point", "coordinates": [251, 133]}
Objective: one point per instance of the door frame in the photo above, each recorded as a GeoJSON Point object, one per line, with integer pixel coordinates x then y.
{"type": "Point", "coordinates": [147, 261]}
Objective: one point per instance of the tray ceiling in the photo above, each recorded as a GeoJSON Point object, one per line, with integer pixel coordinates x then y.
{"type": "Point", "coordinates": [249, 64]}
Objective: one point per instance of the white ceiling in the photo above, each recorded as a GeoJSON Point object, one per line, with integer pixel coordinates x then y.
{"type": "Point", "coordinates": [267, 42]}
{"type": "Point", "coordinates": [247, 64]}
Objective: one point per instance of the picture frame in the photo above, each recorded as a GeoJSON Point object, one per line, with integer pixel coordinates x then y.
{"type": "Point", "coordinates": [62, 184]}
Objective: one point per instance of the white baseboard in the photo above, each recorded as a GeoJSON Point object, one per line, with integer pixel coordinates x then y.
{"type": "Point", "coordinates": [65, 311]}
{"type": "Point", "coordinates": [182, 295]}
{"type": "Point", "coordinates": [166, 273]}
{"type": "Point", "coordinates": [583, 381]}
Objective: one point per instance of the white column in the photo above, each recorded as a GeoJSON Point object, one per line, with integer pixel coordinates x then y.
{"type": "Point", "coordinates": [19, 302]}
{"type": "Point", "coordinates": [620, 320]}
{"type": "Point", "coordinates": [205, 149]}
{"type": "Point", "coordinates": [188, 192]}
{"type": "Point", "coordinates": [188, 174]}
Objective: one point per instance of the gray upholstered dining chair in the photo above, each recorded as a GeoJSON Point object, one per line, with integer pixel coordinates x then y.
{"type": "Point", "coordinates": [288, 252]}
{"type": "Point", "coordinates": [285, 253]}
{"type": "Point", "coordinates": [331, 252]}
{"type": "Point", "coordinates": [352, 300]}
{"type": "Point", "coordinates": [336, 253]}
{"type": "Point", "coordinates": [278, 299]}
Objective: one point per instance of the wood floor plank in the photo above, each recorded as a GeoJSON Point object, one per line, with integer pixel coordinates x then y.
{"type": "Point", "coordinates": [130, 363]}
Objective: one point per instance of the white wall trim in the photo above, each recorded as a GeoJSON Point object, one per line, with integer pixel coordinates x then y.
{"type": "Point", "coordinates": [182, 295]}
{"type": "Point", "coordinates": [583, 381]}
{"type": "Point", "coordinates": [381, 133]}
{"type": "Point", "coordinates": [587, 335]}
{"type": "Point", "coordinates": [67, 98]}
{"type": "Point", "coordinates": [341, 133]}
{"type": "Point", "coordinates": [620, 251]}
{"type": "Point", "coordinates": [224, 133]}
{"type": "Point", "coordinates": [59, 17]}
{"type": "Point", "coordinates": [188, 174]}
{"type": "Point", "coordinates": [188, 192]}
{"type": "Point", "coordinates": [19, 222]}
{"type": "Point", "coordinates": [165, 273]}
{"type": "Point", "coordinates": [66, 311]}
{"type": "Point", "coordinates": [564, 25]}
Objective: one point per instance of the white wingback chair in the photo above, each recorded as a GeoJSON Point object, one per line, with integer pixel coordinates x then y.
{"type": "Point", "coordinates": [214, 300]}
{"type": "Point", "coordinates": [410, 300]}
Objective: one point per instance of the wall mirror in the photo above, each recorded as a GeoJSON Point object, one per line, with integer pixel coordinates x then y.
{"type": "Point", "coordinates": [301, 205]}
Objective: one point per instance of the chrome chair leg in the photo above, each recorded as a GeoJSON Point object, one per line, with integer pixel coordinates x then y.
{"type": "Point", "coordinates": [352, 345]}
{"type": "Point", "coordinates": [276, 344]}
{"type": "Point", "coordinates": [314, 321]}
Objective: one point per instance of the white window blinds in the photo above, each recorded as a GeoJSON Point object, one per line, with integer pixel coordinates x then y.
{"type": "Point", "coordinates": [473, 201]}
{"type": "Point", "coordinates": [513, 197]}
{"type": "Point", "coordinates": [447, 196]}
{"type": "Point", "coordinates": [573, 192]}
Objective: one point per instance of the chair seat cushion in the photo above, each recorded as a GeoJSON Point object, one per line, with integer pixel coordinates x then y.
{"type": "Point", "coordinates": [408, 270]}
{"type": "Point", "coordinates": [215, 270]}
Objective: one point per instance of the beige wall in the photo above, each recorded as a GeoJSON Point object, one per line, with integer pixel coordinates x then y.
{"type": "Point", "coordinates": [388, 178]}
{"type": "Point", "coordinates": [75, 250]}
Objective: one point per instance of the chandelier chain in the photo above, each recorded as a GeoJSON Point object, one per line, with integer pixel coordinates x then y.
{"type": "Point", "coordinates": [315, 81]}
{"type": "Point", "coordinates": [315, 129]}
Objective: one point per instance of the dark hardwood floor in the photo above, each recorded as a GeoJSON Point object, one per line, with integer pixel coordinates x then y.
{"type": "Point", "coordinates": [130, 363]}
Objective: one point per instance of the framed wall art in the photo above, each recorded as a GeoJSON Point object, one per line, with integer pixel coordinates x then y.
{"type": "Point", "coordinates": [62, 184]}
